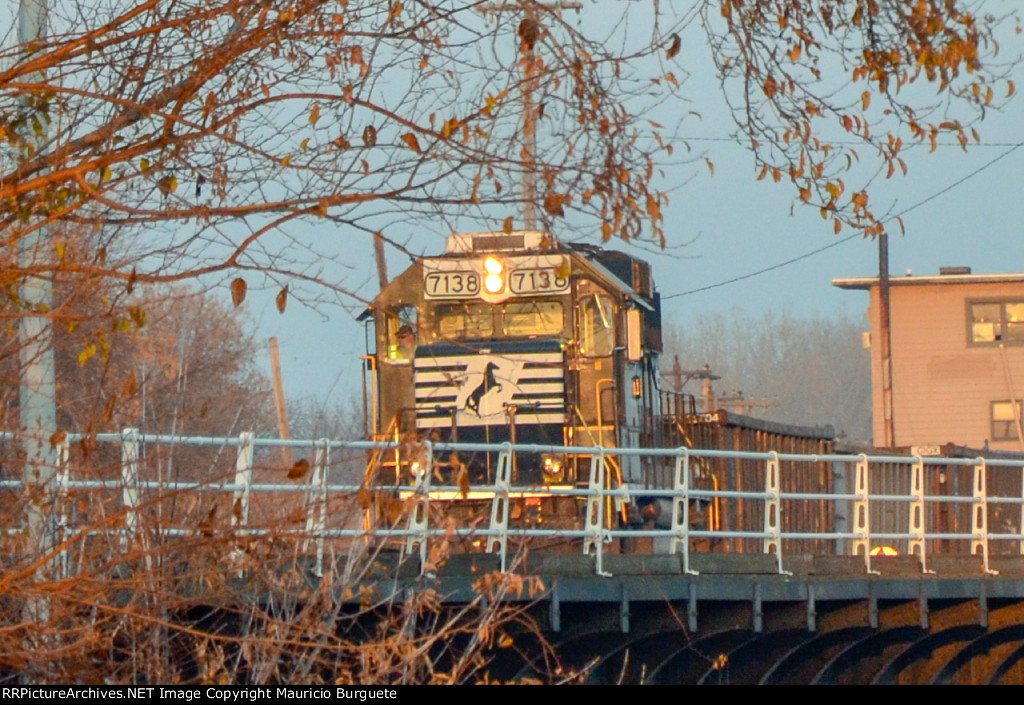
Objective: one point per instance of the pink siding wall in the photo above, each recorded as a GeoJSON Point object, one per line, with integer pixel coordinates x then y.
{"type": "Point", "coordinates": [943, 389]}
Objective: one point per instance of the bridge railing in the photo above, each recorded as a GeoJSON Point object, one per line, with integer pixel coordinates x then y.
{"type": "Point", "coordinates": [130, 489]}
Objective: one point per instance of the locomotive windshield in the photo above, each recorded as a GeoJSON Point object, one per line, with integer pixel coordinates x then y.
{"type": "Point", "coordinates": [514, 319]}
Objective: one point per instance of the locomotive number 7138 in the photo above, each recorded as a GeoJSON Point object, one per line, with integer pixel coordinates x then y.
{"type": "Point", "coordinates": [452, 284]}
{"type": "Point", "coordinates": [531, 281]}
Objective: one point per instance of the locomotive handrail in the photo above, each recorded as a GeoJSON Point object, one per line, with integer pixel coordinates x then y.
{"type": "Point", "coordinates": [981, 514]}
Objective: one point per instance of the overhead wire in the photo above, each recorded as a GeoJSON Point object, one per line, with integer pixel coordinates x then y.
{"type": "Point", "coordinates": [905, 211]}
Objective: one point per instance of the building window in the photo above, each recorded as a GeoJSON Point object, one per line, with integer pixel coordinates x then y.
{"type": "Point", "coordinates": [995, 322]}
{"type": "Point", "coordinates": [1005, 416]}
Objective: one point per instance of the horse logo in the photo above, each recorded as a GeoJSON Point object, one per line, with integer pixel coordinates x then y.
{"type": "Point", "coordinates": [487, 386]}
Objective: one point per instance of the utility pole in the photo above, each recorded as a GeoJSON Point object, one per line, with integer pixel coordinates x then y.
{"type": "Point", "coordinates": [282, 408]}
{"type": "Point", "coordinates": [37, 392]}
{"type": "Point", "coordinates": [529, 32]}
{"type": "Point", "coordinates": [381, 260]}
{"type": "Point", "coordinates": [680, 377]}
{"type": "Point", "coordinates": [888, 423]}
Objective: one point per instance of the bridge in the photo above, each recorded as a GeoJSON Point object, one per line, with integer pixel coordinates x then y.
{"type": "Point", "coordinates": [796, 568]}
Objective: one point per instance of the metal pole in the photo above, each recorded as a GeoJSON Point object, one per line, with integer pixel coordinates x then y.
{"type": "Point", "coordinates": [529, 126]}
{"type": "Point", "coordinates": [889, 426]}
{"type": "Point", "coordinates": [529, 33]}
{"type": "Point", "coordinates": [37, 392]}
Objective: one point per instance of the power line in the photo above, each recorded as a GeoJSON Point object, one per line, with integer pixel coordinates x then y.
{"type": "Point", "coordinates": [915, 206]}
{"type": "Point", "coordinates": [742, 141]}
{"type": "Point", "coordinates": [764, 270]}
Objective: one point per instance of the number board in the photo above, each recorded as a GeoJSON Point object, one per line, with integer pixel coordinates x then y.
{"type": "Point", "coordinates": [451, 285]}
{"type": "Point", "coordinates": [539, 280]}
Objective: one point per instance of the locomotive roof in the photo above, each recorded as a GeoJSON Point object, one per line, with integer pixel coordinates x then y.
{"type": "Point", "coordinates": [617, 268]}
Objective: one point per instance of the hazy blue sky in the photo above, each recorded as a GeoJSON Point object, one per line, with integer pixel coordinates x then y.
{"type": "Point", "coordinates": [719, 227]}
{"type": "Point", "coordinates": [728, 225]}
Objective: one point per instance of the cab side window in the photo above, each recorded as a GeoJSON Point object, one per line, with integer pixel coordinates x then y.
{"type": "Point", "coordinates": [402, 333]}
{"type": "Point", "coordinates": [597, 325]}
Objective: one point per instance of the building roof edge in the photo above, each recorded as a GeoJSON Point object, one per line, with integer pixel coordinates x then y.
{"type": "Point", "coordinates": [865, 283]}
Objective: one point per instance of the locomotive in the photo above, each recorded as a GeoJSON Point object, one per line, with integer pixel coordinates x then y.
{"type": "Point", "coordinates": [517, 337]}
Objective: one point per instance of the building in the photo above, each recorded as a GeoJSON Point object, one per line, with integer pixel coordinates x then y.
{"type": "Point", "coordinates": [957, 358]}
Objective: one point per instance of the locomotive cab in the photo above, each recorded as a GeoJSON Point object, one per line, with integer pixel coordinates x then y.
{"type": "Point", "coordinates": [514, 337]}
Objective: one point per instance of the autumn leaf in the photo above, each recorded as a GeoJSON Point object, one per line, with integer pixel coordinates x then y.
{"type": "Point", "coordinates": [653, 209]}
{"type": "Point", "coordinates": [299, 469]}
{"type": "Point", "coordinates": [410, 139]}
{"type": "Point", "coordinates": [529, 31]}
{"type": "Point", "coordinates": [553, 204]}
{"type": "Point", "coordinates": [507, 225]}
{"type": "Point", "coordinates": [138, 316]}
{"type": "Point", "coordinates": [88, 352]}
{"type": "Point", "coordinates": [238, 289]}
{"type": "Point", "coordinates": [370, 136]}
{"type": "Point", "coordinates": [490, 105]}
{"type": "Point", "coordinates": [167, 184]}
{"type": "Point", "coordinates": [673, 49]}
{"type": "Point", "coordinates": [206, 525]}
{"type": "Point", "coordinates": [314, 114]}
{"type": "Point", "coordinates": [282, 299]}
{"type": "Point", "coordinates": [57, 438]}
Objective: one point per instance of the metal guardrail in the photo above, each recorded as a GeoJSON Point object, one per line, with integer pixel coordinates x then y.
{"type": "Point", "coordinates": [925, 518]}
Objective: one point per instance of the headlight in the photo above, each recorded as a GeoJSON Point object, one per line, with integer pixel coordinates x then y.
{"type": "Point", "coordinates": [552, 469]}
{"type": "Point", "coordinates": [494, 282]}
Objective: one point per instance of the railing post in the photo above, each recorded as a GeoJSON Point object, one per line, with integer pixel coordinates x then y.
{"type": "Point", "coordinates": [595, 509]}
{"type": "Point", "coordinates": [499, 506]}
{"type": "Point", "coordinates": [862, 513]}
{"type": "Point", "coordinates": [979, 515]}
{"type": "Point", "coordinates": [1021, 524]}
{"type": "Point", "coordinates": [316, 516]}
{"type": "Point", "coordinates": [240, 505]}
{"type": "Point", "coordinates": [61, 501]}
{"type": "Point", "coordinates": [772, 508]}
{"type": "Point", "coordinates": [681, 508]}
{"type": "Point", "coordinates": [129, 485]}
{"type": "Point", "coordinates": [419, 518]}
{"type": "Point", "coordinates": [917, 513]}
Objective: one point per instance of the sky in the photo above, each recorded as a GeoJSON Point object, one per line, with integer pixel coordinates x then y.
{"type": "Point", "coordinates": [722, 229]}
